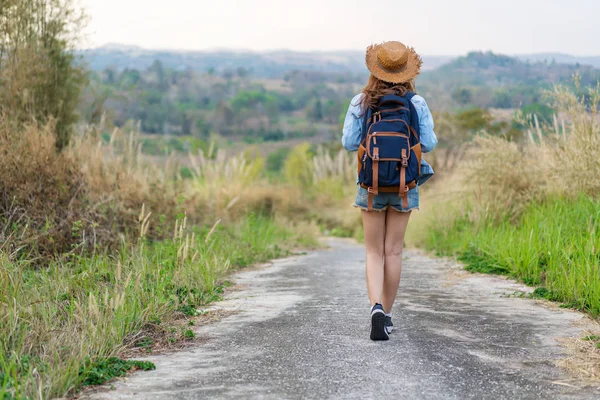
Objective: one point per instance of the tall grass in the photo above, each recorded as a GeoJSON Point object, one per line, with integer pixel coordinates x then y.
{"type": "Point", "coordinates": [554, 244]}
{"type": "Point", "coordinates": [530, 208]}
{"type": "Point", "coordinates": [82, 198]}
{"type": "Point", "coordinates": [84, 273]}
{"type": "Point", "coordinates": [558, 159]}
{"type": "Point", "coordinates": [57, 324]}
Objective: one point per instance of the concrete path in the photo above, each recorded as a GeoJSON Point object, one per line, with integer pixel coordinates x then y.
{"type": "Point", "coordinates": [301, 331]}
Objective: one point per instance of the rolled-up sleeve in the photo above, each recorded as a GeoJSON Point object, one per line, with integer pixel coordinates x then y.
{"type": "Point", "coordinates": [352, 131]}
{"type": "Point", "coordinates": [428, 137]}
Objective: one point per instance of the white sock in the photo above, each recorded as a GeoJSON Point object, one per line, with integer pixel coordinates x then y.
{"type": "Point", "coordinates": [389, 315]}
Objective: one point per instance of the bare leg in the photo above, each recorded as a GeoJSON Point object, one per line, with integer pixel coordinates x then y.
{"type": "Point", "coordinates": [396, 223]}
{"type": "Point", "coordinates": [374, 227]}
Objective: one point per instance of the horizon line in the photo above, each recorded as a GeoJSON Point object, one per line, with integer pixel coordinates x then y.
{"type": "Point", "coordinates": [115, 45]}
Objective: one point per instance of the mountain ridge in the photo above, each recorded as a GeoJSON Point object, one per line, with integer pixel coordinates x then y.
{"type": "Point", "coordinates": [115, 54]}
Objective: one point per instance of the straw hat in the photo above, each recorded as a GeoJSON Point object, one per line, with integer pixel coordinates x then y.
{"type": "Point", "coordinates": [393, 62]}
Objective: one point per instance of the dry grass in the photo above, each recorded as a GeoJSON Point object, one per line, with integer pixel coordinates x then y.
{"type": "Point", "coordinates": [502, 176]}
{"type": "Point", "coordinates": [79, 199]}
{"type": "Point", "coordinates": [584, 359]}
{"type": "Point", "coordinates": [88, 197]}
{"type": "Point", "coordinates": [319, 188]}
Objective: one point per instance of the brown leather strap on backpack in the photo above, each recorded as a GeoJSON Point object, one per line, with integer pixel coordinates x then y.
{"type": "Point", "coordinates": [374, 190]}
{"type": "Point", "coordinates": [391, 189]}
{"type": "Point", "coordinates": [375, 170]}
{"type": "Point", "coordinates": [403, 189]}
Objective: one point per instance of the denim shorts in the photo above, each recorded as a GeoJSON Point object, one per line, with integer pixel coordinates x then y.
{"type": "Point", "coordinates": [382, 201]}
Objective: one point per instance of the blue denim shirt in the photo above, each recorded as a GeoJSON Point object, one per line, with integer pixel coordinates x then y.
{"type": "Point", "coordinates": [353, 130]}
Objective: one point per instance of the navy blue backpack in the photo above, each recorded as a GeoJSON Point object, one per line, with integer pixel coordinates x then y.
{"type": "Point", "coordinates": [389, 157]}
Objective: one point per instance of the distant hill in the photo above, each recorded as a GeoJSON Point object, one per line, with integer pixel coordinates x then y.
{"type": "Point", "coordinates": [560, 58]}
{"type": "Point", "coordinates": [489, 80]}
{"type": "Point", "coordinates": [275, 64]}
{"type": "Point", "coordinates": [272, 64]}
{"type": "Point", "coordinates": [281, 95]}
{"type": "Point", "coordinates": [494, 70]}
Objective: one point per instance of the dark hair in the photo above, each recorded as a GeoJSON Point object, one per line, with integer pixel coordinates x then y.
{"type": "Point", "coordinates": [376, 88]}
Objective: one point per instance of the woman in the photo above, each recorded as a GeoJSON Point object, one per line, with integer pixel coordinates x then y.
{"type": "Point", "coordinates": [393, 68]}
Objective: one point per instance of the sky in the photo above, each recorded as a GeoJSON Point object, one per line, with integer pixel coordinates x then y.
{"type": "Point", "coordinates": [434, 27]}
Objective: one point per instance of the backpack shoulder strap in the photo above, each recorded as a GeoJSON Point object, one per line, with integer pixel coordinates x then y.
{"type": "Point", "coordinates": [365, 123]}
{"type": "Point", "coordinates": [414, 116]}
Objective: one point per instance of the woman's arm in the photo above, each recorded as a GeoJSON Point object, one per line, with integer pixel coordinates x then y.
{"type": "Point", "coordinates": [428, 137]}
{"type": "Point", "coordinates": [352, 132]}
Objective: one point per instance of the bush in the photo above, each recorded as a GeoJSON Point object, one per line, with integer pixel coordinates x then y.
{"type": "Point", "coordinates": [80, 199]}
{"type": "Point", "coordinates": [298, 166]}
{"type": "Point", "coordinates": [276, 160]}
{"type": "Point", "coordinates": [552, 160]}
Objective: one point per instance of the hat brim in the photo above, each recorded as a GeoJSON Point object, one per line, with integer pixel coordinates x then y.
{"type": "Point", "coordinates": [406, 74]}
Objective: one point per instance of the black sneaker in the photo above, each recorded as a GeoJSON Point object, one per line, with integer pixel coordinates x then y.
{"type": "Point", "coordinates": [378, 330]}
{"type": "Point", "coordinates": [389, 325]}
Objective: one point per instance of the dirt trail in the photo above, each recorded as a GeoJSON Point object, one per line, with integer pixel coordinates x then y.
{"type": "Point", "coordinates": [300, 331]}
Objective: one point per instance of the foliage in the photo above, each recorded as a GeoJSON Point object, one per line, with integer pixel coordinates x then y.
{"type": "Point", "coordinates": [305, 66]}
{"type": "Point", "coordinates": [261, 107]}
{"type": "Point", "coordinates": [276, 159]}
{"type": "Point", "coordinates": [544, 113]}
{"type": "Point", "coordinates": [104, 370]}
{"type": "Point", "coordinates": [40, 76]}
{"type": "Point", "coordinates": [197, 103]}
{"type": "Point", "coordinates": [476, 120]}
{"type": "Point", "coordinates": [298, 168]}
{"type": "Point", "coordinates": [165, 145]}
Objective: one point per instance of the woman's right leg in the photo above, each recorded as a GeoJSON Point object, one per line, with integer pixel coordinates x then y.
{"type": "Point", "coordinates": [374, 228]}
{"type": "Point", "coordinates": [396, 224]}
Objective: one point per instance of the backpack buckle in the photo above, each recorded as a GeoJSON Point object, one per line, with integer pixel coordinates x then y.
{"type": "Point", "coordinates": [404, 163]}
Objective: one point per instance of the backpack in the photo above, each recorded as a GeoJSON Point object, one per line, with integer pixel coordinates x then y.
{"type": "Point", "coordinates": [389, 156]}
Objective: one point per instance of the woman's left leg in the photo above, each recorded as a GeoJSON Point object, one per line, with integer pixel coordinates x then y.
{"type": "Point", "coordinates": [396, 223]}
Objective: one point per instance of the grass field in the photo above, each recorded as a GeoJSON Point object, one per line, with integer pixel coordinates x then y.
{"type": "Point", "coordinates": [62, 325]}
{"type": "Point", "coordinates": [554, 245]}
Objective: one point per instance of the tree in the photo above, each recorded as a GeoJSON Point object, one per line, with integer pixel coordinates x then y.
{"type": "Point", "coordinates": [544, 112]}
{"type": "Point", "coordinates": [40, 78]}
{"type": "Point", "coordinates": [223, 118]}
{"type": "Point", "coordinates": [502, 99]}
{"type": "Point", "coordinates": [315, 111]}
{"type": "Point", "coordinates": [476, 120]}
{"type": "Point", "coordinates": [332, 110]}
{"type": "Point", "coordinates": [242, 72]}
{"type": "Point", "coordinates": [272, 109]}
{"type": "Point", "coordinates": [202, 128]}
{"type": "Point", "coordinates": [160, 75]}
{"type": "Point", "coordinates": [463, 96]}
